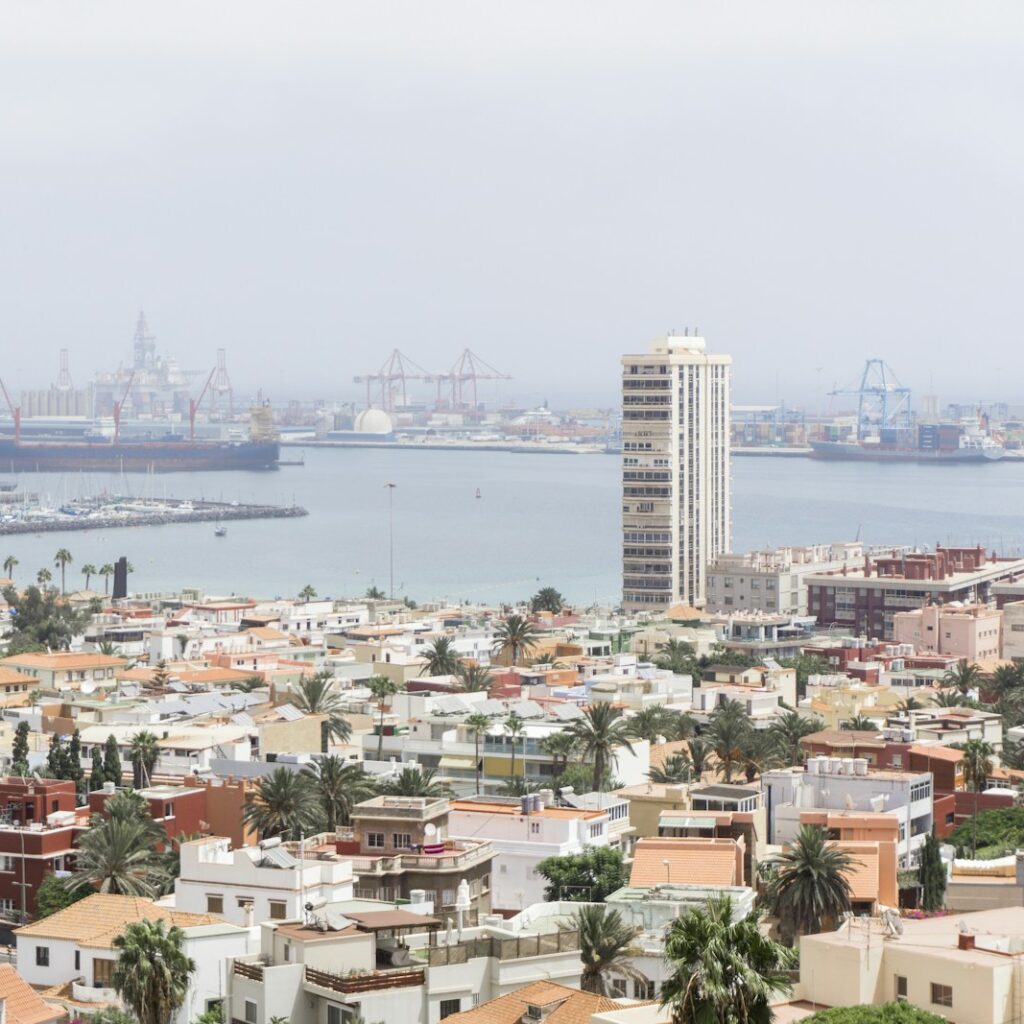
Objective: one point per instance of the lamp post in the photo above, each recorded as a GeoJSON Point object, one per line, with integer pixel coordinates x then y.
{"type": "Point", "coordinates": [391, 539]}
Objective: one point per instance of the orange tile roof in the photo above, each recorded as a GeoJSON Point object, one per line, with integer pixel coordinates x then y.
{"type": "Point", "coordinates": [97, 920]}
{"type": "Point", "coordinates": [9, 675]}
{"type": "Point", "coordinates": [64, 659]}
{"type": "Point", "coordinates": [22, 1004]}
{"type": "Point", "coordinates": [690, 862]}
{"type": "Point", "coordinates": [938, 753]}
{"type": "Point", "coordinates": [570, 1006]}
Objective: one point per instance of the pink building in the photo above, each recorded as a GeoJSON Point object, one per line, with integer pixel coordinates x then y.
{"type": "Point", "coordinates": [969, 632]}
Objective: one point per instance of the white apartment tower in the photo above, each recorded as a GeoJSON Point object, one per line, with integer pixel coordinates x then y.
{"type": "Point", "coordinates": [676, 516]}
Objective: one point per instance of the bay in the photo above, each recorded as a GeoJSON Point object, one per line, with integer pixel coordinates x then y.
{"type": "Point", "coordinates": [539, 520]}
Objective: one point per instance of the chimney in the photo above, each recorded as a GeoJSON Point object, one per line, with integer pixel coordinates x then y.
{"type": "Point", "coordinates": [965, 940]}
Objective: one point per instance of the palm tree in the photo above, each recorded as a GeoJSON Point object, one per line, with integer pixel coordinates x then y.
{"type": "Point", "coordinates": [441, 658]}
{"type": "Point", "coordinates": [517, 635]}
{"type": "Point", "coordinates": [413, 780]}
{"type": "Point", "coordinates": [475, 678]}
{"type": "Point", "coordinates": [730, 725]}
{"type": "Point", "coordinates": [340, 785]}
{"type": "Point", "coordinates": [549, 660]}
{"type": "Point", "coordinates": [788, 731]}
{"type": "Point", "coordinates": [965, 676]}
{"type": "Point", "coordinates": [88, 571]}
{"type": "Point", "coordinates": [381, 688]}
{"type": "Point", "coordinates": [951, 699]}
{"type": "Point", "coordinates": [318, 695]}
{"type": "Point", "coordinates": [859, 724]}
{"type": "Point", "coordinates": [760, 752]}
{"type": "Point", "coordinates": [106, 571]}
{"type": "Point", "coordinates": [1004, 679]}
{"type": "Point", "coordinates": [649, 724]}
{"type": "Point", "coordinates": [606, 944]}
{"type": "Point", "coordinates": [44, 577]}
{"type": "Point", "coordinates": [599, 733]}
{"type": "Point", "coordinates": [118, 855]}
{"type": "Point", "coordinates": [700, 752]}
{"type": "Point", "coordinates": [724, 971]}
{"type": "Point", "coordinates": [910, 704]}
{"type": "Point", "coordinates": [514, 727]}
{"type": "Point", "coordinates": [977, 764]}
{"type": "Point", "coordinates": [9, 564]}
{"type": "Point", "coordinates": [285, 803]}
{"type": "Point", "coordinates": [62, 559]}
{"type": "Point", "coordinates": [676, 656]}
{"type": "Point", "coordinates": [811, 889]}
{"type": "Point", "coordinates": [374, 593]}
{"type": "Point", "coordinates": [144, 753]}
{"type": "Point", "coordinates": [547, 599]}
{"type": "Point", "coordinates": [307, 593]}
{"type": "Point", "coordinates": [477, 724]}
{"type": "Point", "coordinates": [152, 972]}
{"type": "Point", "coordinates": [559, 746]}
{"type": "Point", "coordinates": [676, 769]}
{"type": "Point", "coordinates": [109, 648]}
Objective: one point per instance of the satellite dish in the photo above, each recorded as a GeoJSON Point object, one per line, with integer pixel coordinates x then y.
{"type": "Point", "coordinates": [429, 829]}
{"type": "Point", "coordinates": [89, 686]}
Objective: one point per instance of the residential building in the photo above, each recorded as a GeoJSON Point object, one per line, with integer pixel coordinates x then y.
{"type": "Point", "coordinates": [773, 580]}
{"type": "Point", "coordinates": [620, 832]}
{"type": "Point", "coordinates": [693, 861]}
{"type": "Point", "coordinates": [541, 1001]}
{"type": "Point", "coordinates": [964, 966]}
{"type": "Point", "coordinates": [21, 1004]}
{"type": "Point", "coordinates": [970, 633]}
{"type": "Point", "coordinates": [377, 962]}
{"type": "Point", "coordinates": [650, 801]}
{"type": "Point", "coordinates": [867, 600]}
{"type": "Point", "coordinates": [403, 845]}
{"type": "Point", "coordinates": [676, 514]}
{"type": "Point", "coordinates": [523, 832]}
{"type": "Point", "coordinates": [763, 635]}
{"type": "Point", "coordinates": [1013, 630]}
{"type": "Point", "coordinates": [65, 670]}
{"type": "Point", "coordinates": [74, 947]}
{"type": "Point", "coordinates": [269, 882]}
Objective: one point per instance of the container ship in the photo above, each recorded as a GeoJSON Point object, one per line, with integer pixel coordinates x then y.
{"type": "Point", "coordinates": [929, 443]}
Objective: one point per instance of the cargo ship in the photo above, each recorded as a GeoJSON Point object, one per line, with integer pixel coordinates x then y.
{"type": "Point", "coordinates": [929, 443]}
{"type": "Point", "coordinates": [18, 455]}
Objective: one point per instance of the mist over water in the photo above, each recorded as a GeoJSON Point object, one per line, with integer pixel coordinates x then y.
{"type": "Point", "coordinates": [540, 519]}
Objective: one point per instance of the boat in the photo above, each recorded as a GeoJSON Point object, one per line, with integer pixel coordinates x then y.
{"type": "Point", "coordinates": [867, 451]}
{"type": "Point", "coordinates": [478, 494]}
{"type": "Point", "coordinates": [220, 531]}
{"type": "Point", "coordinates": [166, 455]}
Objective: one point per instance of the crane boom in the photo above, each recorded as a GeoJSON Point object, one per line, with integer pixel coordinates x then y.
{"type": "Point", "coordinates": [118, 406]}
{"type": "Point", "coordinates": [193, 406]}
{"type": "Point", "coordinates": [15, 411]}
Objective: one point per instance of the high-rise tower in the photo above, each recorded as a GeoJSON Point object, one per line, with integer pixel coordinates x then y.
{"type": "Point", "coordinates": [676, 514]}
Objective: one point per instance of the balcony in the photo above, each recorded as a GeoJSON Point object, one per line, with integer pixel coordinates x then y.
{"type": "Point", "coordinates": [520, 948]}
{"type": "Point", "coordinates": [248, 969]}
{"type": "Point", "coordinates": [92, 994]}
{"type": "Point", "coordinates": [457, 856]}
{"type": "Point", "coordinates": [371, 981]}
{"type": "Point", "coordinates": [416, 807]}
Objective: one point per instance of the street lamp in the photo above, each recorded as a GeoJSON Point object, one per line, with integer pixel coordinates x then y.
{"type": "Point", "coordinates": [391, 539]}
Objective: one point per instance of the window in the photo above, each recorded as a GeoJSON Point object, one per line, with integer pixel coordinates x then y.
{"type": "Point", "coordinates": [643, 989]}
{"type": "Point", "coordinates": [214, 903]}
{"type": "Point", "coordinates": [42, 956]}
{"type": "Point", "coordinates": [942, 995]}
{"type": "Point", "coordinates": [375, 840]}
{"type": "Point", "coordinates": [103, 973]}
{"type": "Point", "coordinates": [278, 910]}
{"type": "Point", "coordinates": [535, 828]}
{"type": "Point", "coordinates": [618, 988]}
{"type": "Point", "coordinates": [250, 1011]}
{"type": "Point", "coordinates": [6, 863]}
{"type": "Point", "coordinates": [401, 840]}
{"type": "Point", "coordinates": [287, 953]}
{"type": "Point", "coordinates": [78, 959]}
{"type": "Point", "coordinates": [450, 1006]}
{"type": "Point", "coordinates": [333, 1014]}
{"type": "Point", "coordinates": [901, 988]}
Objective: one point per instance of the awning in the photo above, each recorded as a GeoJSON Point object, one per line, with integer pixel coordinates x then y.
{"type": "Point", "coordinates": [670, 821]}
{"type": "Point", "coordinates": [457, 761]}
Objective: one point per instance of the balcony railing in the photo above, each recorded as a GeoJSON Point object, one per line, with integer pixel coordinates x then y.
{"type": "Point", "coordinates": [254, 972]}
{"type": "Point", "coordinates": [373, 981]}
{"type": "Point", "coordinates": [566, 941]}
{"type": "Point", "coordinates": [450, 860]}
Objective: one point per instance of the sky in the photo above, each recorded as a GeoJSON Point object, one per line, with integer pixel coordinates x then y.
{"type": "Point", "coordinates": [550, 184]}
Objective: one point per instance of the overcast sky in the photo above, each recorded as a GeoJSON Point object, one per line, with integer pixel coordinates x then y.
{"type": "Point", "coordinates": [551, 184]}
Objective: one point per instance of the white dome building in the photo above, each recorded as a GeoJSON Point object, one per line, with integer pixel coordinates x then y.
{"type": "Point", "coordinates": [373, 421]}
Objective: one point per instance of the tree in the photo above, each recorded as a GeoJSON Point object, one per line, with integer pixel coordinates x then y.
{"type": "Point", "coordinates": [787, 733]}
{"type": "Point", "coordinates": [580, 777]}
{"type": "Point", "coordinates": [374, 593]}
{"type": "Point", "coordinates": [144, 753]}
{"type": "Point", "coordinates": [514, 727]}
{"type": "Point", "coordinates": [109, 649]}
{"type": "Point", "coordinates": [1007, 678]}
{"type": "Point", "coordinates": [381, 689]}
{"type": "Point", "coordinates": [161, 676]}
{"type": "Point", "coordinates": [977, 764]}
{"type": "Point", "coordinates": [10, 562]}
{"type": "Point", "coordinates": [678, 657]}
{"type": "Point", "coordinates": [700, 752]}
{"type": "Point", "coordinates": [285, 803]}
{"type": "Point", "coordinates": [44, 577]}
{"type": "Point", "coordinates": [413, 780]}
{"type": "Point", "coordinates": [62, 559]}
{"type": "Point", "coordinates": [112, 771]}
{"type": "Point", "coordinates": [931, 873]}
{"type": "Point", "coordinates": [885, 1013]}
{"type": "Point", "coordinates": [53, 895]}
{"type": "Point", "coordinates": [650, 724]}
{"type": "Point", "coordinates": [910, 704]}
{"type": "Point", "coordinates": [994, 833]}
{"type": "Point", "coordinates": [675, 770]}
{"type": "Point", "coordinates": [55, 758]}
{"type": "Point", "coordinates": [723, 971]}
{"type": "Point", "coordinates": [73, 759]}
{"type": "Point", "coordinates": [547, 599]}
{"type": "Point", "coordinates": [588, 877]}
{"type": "Point", "coordinates": [118, 855]}
{"type": "Point", "coordinates": [19, 750]}
{"type": "Point", "coordinates": [475, 678]}
{"type": "Point", "coordinates": [478, 725]}
{"type": "Point", "coordinates": [152, 971]}
{"type": "Point", "coordinates": [606, 944]}
{"type": "Point", "coordinates": [340, 785]}
{"type": "Point", "coordinates": [442, 658]}
{"type": "Point", "coordinates": [811, 888]}
{"type": "Point", "coordinates": [516, 635]}
{"type": "Point", "coordinates": [306, 594]}
{"type": "Point", "coordinates": [106, 571]}
{"type": "Point", "coordinates": [599, 733]}
{"type": "Point", "coordinates": [806, 665]}
{"type": "Point", "coordinates": [318, 694]}
{"type": "Point", "coordinates": [859, 724]}
{"type": "Point", "coordinates": [88, 571]}
{"type": "Point", "coordinates": [965, 677]}
{"type": "Point", "coordinates": [97, 773]}
{"type": "Point", "coordinates": [559, 746]}
{"type": "Point", "coordinates": [729, 726]}
{"type": "Point", "coordinates": [761, 752]}
{"type": "Point", "coordinates": [951, 699]}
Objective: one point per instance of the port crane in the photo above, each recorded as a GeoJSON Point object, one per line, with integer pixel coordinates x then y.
{"type": "Point", "coordinates": [390, 381]}
{"type": "Point", "coordinates": [118, 406]}
{"type": "Point", "coordinates": [15, 411]}
{"type": "Point", "coordinates": [882, 402]}
{"type": "Point", "coordinates": [462, 379]}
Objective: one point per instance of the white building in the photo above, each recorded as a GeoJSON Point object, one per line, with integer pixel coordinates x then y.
{"type": "Point", "coordinates": [523, 832]}
{"type": "Point", "coordinates": [75, 946]}
{"type": "Point", "coordinates": [675, 471]}
{"type": "Point", "coordinates": [837, 784]}
{"type": "Point", "coordinates": [1013, 630]}
{"type": "Point", "coordinates": [272, 881]}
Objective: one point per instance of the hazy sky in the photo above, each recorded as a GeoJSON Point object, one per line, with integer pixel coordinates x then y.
{"type": "Point", "coordinates": [550, 183]}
